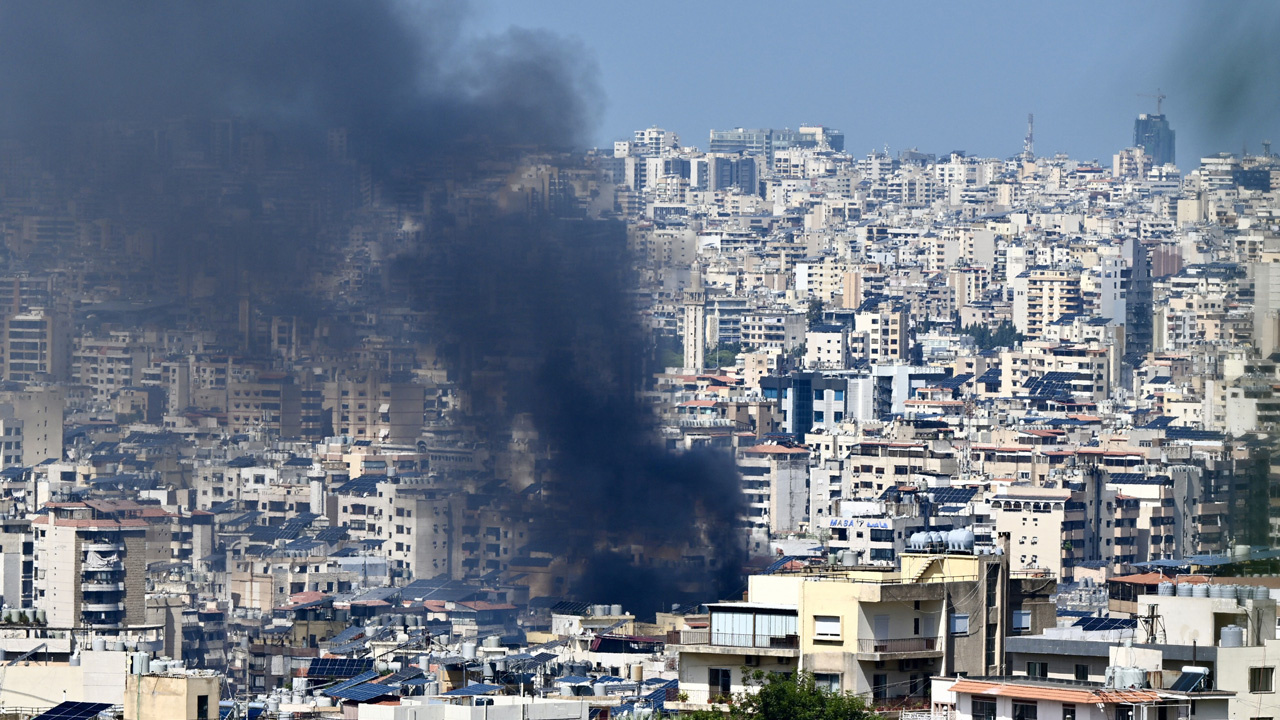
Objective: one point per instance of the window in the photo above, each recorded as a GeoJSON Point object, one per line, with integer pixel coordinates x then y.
{"type": "Point", "coordinates": [829, 682]}
{"type": "Point", "coordinates": [984, 709]}
{"type": "Point", "coordinates": [1082, 672]}
{"type": "Point", "coordinates": [879, 687]}
{"type": "Point", "coordinates": [959, 624]}
{"type": "Point", "coordinates": [719, 681]}
{"type": "Point", "coordinates": [817, 394]}
{"type": "Point", "coordinates": [819, 416]}
{"type": "Point", "coordinates": [1068, 711]}
{"type": "Point", "coordinates": [1021, 620]}
{"type": "Point", "coordinates": [826, 626]}
{"type": "Point", "coordinates": [202, 707]}
{"type": "Point", "coordinates": [839, 396]}
{"type": "Point", "coordinates": [1262, 679]}
{"type": "Point", "coordinates": [1024, 711]}
{"type": "Point", "coordinates": [1037, 670]}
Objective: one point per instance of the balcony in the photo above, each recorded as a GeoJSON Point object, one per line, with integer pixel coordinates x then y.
{"type": "Point", "coordinates": [101, 586]}
{"type": "Point", "coordinates": [704, 641]}
{"type": "Point", "coordinates": [103, 547]}
{"type": "Point", "coordinates": [898, 648]}
{"type": "Point", "coordinates": [111, 607]}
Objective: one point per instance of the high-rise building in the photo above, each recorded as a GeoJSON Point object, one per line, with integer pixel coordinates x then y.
{"type": "Point", "coordinates": [1153, 134]}
{"type": "Point", "coordinates": [37, 346]}
{"type": "Point", "coordinates": [695, 325]}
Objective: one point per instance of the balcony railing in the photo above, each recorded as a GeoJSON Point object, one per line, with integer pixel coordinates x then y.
{"type": "Point", "coordinates": [747, 640]}
{"type": "Point", "coordinates": [897, 645]}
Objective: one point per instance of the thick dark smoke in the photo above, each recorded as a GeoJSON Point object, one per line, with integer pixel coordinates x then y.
{"type": "Point", "coordinates": [1227, 69]}
{"type": "Point", "coordinates": [398, 76]}
{"type": "Point", "coordinates": [540, 301]}
{"type": "Point", "coordinates": [545, 303]}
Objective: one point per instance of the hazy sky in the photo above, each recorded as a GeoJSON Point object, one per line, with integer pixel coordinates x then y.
{"type": "Point", "coordinates": [939, 76]}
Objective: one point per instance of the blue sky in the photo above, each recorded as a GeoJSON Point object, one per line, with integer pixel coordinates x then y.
{"type": "Point", "coordinates": [939, 76]}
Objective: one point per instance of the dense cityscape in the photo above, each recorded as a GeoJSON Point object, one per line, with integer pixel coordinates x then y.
{"type": "Point", "coordinates": [362, 418]}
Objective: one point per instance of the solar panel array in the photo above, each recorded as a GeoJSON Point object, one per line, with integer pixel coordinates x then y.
{"type": "Point", "coordinates": [1102, 623]}
{"type": "Point", "coordinates": [1051, 384]}
{"type": "Point", "coordinates": [779, 564]}
{"type": "Point", "coordinates": [361, 678]}
{"type": "Point", "coordinates": [953, 495]}
{"type": "Point", "coordinates": [1188, 682]}
{"type": "Point", "coordinates": [73, 711]}
{"type": "Point", "coordinates": [398, 678]}
{"type": "Point", "coordinates": [363, 485]}
{"type": "Point", "coordinates": [338, 667]}
{"type": "Point", "coordinates": [361, 693]}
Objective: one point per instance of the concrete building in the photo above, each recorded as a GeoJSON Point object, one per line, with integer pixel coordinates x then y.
{"type": "Point", "coordinates": [91, 565]}
{"type": "Point", "coordinates": [882, 634]}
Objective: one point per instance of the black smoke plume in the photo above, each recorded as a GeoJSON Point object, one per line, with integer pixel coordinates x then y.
{"type": "Point", "coordinates": [1226, 68]}
{"type": "Point", "coordinates": [541, 300]}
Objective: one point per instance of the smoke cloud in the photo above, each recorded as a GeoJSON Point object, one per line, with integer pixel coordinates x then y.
{"type": "Point", "coordinates": [1227, 67]}
{"type": "Point", "coordinates": [399, 76]}
{"type": "Point", "coordinates": [539, 300]}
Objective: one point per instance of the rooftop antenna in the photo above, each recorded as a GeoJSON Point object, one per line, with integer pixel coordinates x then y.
{"type": "Point", "coordinates": [1159, 96]}
{"type": "Point", "coordinates": [1029, 144]}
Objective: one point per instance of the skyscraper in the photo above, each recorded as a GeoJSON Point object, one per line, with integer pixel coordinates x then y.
{"type": "Point", "coordinates": [1153, 134]}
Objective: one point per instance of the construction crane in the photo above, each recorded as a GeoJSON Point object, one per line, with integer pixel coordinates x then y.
{"type": "Point", "coordinates": [1159, 96]}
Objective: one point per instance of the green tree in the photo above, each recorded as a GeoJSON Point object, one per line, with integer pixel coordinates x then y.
{"type": "Point", "coordinates": [724, 355]}
{"type": "Point", "coordinates": [814, 313]}
{"type": "Point", "coordinates": [779, 696]}
{"type": "Point", "coordinates": [1003, 335]}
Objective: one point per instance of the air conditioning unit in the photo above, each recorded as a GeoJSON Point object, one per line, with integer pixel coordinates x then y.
{"type": "Point", "coordinates": [753, 661]}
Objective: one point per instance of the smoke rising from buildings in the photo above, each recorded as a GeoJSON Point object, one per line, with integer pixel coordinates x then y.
{"type": "Point", "coordinates": [542, 301]}
{"type": "Point", "coordinates": [399, 76]}
{"type": "Point", "coordinates": [1226, 71]}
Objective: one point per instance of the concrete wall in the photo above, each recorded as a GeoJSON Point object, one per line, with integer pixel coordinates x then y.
{"type": "Point", "coordinates": [170, 697]}
{"type": "Point", "coordinates": [100, 677]}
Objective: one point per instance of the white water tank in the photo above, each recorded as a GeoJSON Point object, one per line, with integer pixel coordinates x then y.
{"type": "Point", "coordinates": [1165, 589]}
{"type": "Point", "coordinates": [493, 641]}
{"type": "Point", "coordinates": [1231, 636]}
{"type": "Point", "coordinates": [1200, 591]}
{"type": "Point", "coordinates": [615, 610]}
{"type": "Point", "coordinates": [1183, 589]}
{"type": "Point", "coordinates": [469, 651]}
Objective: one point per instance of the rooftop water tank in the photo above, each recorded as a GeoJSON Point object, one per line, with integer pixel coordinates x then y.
{"type": "Point", "coordinates": [493, 641]}
{"type": "Point", "coordinates": [469, 651]}
{"type": "Point", "coordinates": [1200, 591]}
{"type": "Point", "coordinates": [615, 610]}
{"type": "Point", "coordinates": [1231, 636]}
{"type": "Point", "coordinates": [1165, 589]}
{"type": "Point", "coordinates": [1217, 591]}
{"type": "Point", "coordinates": [1261, 592]}
{"type": "Point", "coordinates": [1184, 589]}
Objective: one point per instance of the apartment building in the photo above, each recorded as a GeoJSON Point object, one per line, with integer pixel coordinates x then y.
{"type": "Point", "coordinates": [881, 634]}
{"type": "Point", "coordinates": [91, 565]}
{"type": "Point", "coordinates": [775, 485]}
{"type": "Point", "coordinates": [1042, 295]}
{"type": "Point", "coordinates": [36, 346]}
